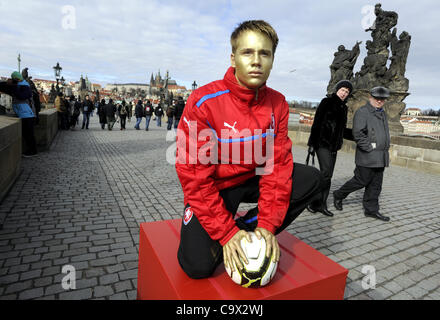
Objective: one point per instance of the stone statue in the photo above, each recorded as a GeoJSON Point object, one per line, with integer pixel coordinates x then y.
{"type": "Point", "coordinates": [374, 71]}
{"type": "Point", "coordinates": [342, 65]}
{"type": "Point", "coordinates": [396, 73]}
{"type": "Point", "coordinates": [52, 94]}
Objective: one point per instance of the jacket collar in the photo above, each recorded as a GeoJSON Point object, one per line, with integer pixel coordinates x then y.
{"type": "Point", "coordinates": [338, 100]}
{"type": "Point", "coordinates": [243, 93]}
{"type": "Point", "coordinates": [378, 113]}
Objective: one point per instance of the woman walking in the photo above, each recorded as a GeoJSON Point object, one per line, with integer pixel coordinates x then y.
{"type": "Point", "coordinates": [326, 138]}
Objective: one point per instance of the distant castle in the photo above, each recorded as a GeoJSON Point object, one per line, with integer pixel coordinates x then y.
{"type": "Point", "coordinates": [156, 87]}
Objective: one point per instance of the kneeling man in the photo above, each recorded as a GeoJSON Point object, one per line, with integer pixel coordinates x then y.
{"type": "Point", "coordinates": [233, 147]}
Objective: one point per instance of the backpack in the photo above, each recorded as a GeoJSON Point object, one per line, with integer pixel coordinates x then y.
{"type": "Point", "coordinates": [170, 111]}
{"type": "Point", "coordinates": [147, 110]}
{"type": "Point", "coordinates": [123, 111]}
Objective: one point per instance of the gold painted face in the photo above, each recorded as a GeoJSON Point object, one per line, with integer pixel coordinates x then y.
{"type": "Point", "coordinates": [253, 59]}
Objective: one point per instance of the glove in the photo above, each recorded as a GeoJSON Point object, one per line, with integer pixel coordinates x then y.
{"type": "Point", "coordinates": [312, 151]}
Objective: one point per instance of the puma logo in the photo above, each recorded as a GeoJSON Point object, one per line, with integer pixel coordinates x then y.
{"type": "Point", "coordinates": [231, 127]}
{"type": "Point", "coordinates": [187, 122]}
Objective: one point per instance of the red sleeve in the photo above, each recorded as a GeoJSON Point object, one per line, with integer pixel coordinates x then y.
{"type": "Point", "coordinates": [276, 185]}
{"type": "Point", "coordinates": [197, 179]}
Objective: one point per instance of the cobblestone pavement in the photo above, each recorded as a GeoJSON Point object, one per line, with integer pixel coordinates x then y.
{"type": "Point", "coordinates": [81, 204]}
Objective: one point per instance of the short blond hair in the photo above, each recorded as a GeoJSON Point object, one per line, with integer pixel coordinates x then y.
{"type": "Point", "coordinates": [258, 26]}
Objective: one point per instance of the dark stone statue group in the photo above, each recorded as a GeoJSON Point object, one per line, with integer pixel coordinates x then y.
{"type": "Point", "coordinates": [374, 70]}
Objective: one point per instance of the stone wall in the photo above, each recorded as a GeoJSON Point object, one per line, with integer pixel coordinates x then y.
{"type": "Point", "coordinates": [46, 129]}
{"type": "Point", "coordinates": [410, 152]}
{"type": "Point", "coordinates": [10, 153]}
{"type": "Point", "coordinates": [11, 145]}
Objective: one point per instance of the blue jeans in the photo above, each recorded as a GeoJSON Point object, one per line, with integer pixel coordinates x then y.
{"type": "Point", "coordinates": [170, 123]}
{"type": "Point", "coordinates": [159, 121]}
{"type": "Point", "coordinates": [86, 118]}
{"type": "Point", "coordinates": [138, 122]}
{"type": "Point", "coordinates": [176, 122]}
{"type": "Point", "coordinates": [147, 120]}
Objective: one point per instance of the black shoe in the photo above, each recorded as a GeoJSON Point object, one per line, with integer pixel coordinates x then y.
{"type": "Point", "coordinates": [378, 216]}
{"type": "Point", "coordinates": [326, 212]}
{"type": "Point", "coordinates": [311, 209]}
{"type": "Point", "coordinates": [337, 203]}
{"type": "Point", "coordinates": [29, 155]}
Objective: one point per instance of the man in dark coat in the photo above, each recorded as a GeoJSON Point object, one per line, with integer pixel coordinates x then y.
{"type": "Point", "coordinates": [148, 112]}
{"type": "Point", "coordinates": [371, 133]}
{"type": "Point", "coordinates": [139, 113]}
{"type": "Point", "coordinates": [180, 106]}
{"type": "Point", "coordinates": [170, 114]}
{"type": "Point", "coordinates": [101, 114]}
{"type": "Point", "coordinates": [87, 109]}
{"type": "Point", "coordinates": [158, 112]}
{"type": "Point", "coordinates": [326, 137]}
{"type": "Point", "coordinates": [110, 111]}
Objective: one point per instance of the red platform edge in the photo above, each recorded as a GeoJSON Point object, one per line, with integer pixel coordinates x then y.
{"type": "Point", "coordinates": [303, 272]}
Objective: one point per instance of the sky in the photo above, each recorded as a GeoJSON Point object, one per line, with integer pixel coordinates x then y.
{"type": "Point", "coordinates": [126, 41]}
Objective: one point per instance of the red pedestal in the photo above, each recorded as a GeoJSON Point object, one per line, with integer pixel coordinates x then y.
{"type": "Point", "coordinates": [303, 272]}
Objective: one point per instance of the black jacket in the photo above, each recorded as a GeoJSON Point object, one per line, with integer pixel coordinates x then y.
{"type": "Point", "coordinates": [329, 126]}
{"type": "Point", "coordinates": [158, 111]}
{"type": "Point", "coordinates": [149, 109]}
{"type": "Point", "coordinates": [139, 110]}
{"type": "Point", "coordinates": [89, 105]}
{"type": "Point", "coordinates": [180, 105]}
{"type": "Point", "coordinates": [110, 110]}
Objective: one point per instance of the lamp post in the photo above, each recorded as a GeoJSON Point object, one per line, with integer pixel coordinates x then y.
{"type": "Point", "coordinates": [194, 85]}
{"type": "Point", "coordinates": [57, 69]}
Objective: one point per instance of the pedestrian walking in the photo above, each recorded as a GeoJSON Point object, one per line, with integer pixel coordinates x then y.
{"type": "Point", "coordinates": [62, 111]}
{"type": "Point", "coordinates": [170, 114]}
{"type": "Point", "coordinates": [371, 133]}
{"type": "Point", "coordinates": [123, 112]}
{"type": "Point", "coordinates": [110, 112]}
{"type": "Point", "coordinates": [75, 112]}
{"type": "Point", "coordinates": [148, 111]}
{"type": "Point", "coordinates": [326, 137]}
{"type": "Point", "coordinates": [139, 113]}
{"type": "Point", "coordinates": [180, 106]}
{"type": "Point", "coordinates": [101, 114]}
{"type": "Point", "coordinates": [158, 112]}
{"type": "Point", "coordinates": [87, 109]}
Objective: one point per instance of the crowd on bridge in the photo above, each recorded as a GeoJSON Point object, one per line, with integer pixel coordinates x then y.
{"type": "Point", "coordinates": [26, 106]}
{"type": "Point", "coordinates": [111, 112]}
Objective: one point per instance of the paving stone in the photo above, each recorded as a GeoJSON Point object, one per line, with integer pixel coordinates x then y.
{"type": "Point", "coordinates": [77, 294]}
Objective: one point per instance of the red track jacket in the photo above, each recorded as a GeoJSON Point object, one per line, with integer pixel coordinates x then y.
{"type": "Point", "coordinates": [221, 135]}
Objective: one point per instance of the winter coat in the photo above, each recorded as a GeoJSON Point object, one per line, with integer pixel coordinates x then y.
{"type": "Point", "coordinates": [20, 93]}
{"type": "Point", "coordinates": [110, 110]}
{"type": "Point", "coordinates": [123, 110]}
{"type": "Point", "coordinates": [329, 126]}
{"type": "Point", "coordinates": [87, 106]}
{"type": "Point", "coordinates": [233, 117]}
{"type": "Point", "coordinates": [139, 110]}
{"type": "Point", "coordinates": [149, 109]}
{"type": "Point", "coordinates": [180, 106]}
{"type": "Point", "coordinates": [370, 126]}
{"type": "Point", "coordinates": [158, 111]}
